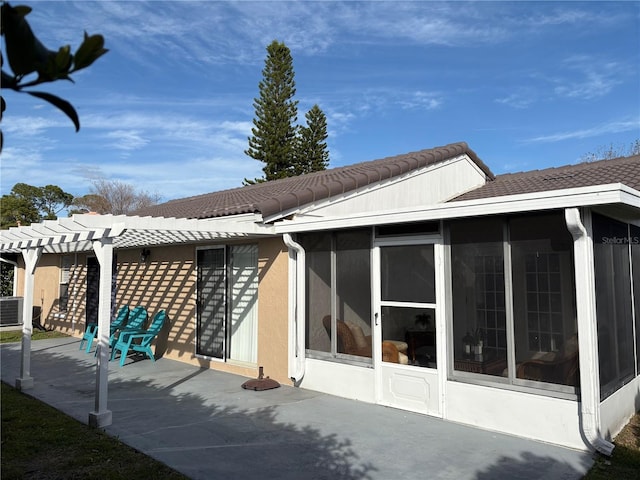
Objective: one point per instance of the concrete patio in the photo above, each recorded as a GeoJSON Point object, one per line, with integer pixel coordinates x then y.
{"type": "Point", "coordinates": [203, 424]}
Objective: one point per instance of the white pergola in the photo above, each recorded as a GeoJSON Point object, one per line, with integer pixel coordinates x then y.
{"type": "Point", "coordinates": [102, 234]}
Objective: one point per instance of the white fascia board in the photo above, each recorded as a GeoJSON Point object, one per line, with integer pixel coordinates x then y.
{"type": "Point", "coordinates": [616, 193]}
{"type": "Point", "coordinates": [250, 224]}
{"type": "Point", "coordinates": [241, 224]}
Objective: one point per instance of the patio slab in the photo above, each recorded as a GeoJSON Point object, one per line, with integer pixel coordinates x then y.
{"type": "Point", "coordinates": [203, 424]}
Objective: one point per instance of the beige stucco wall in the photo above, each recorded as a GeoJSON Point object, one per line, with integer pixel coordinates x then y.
{"type": "Point", "coordinates": [273, 309]}
{"type": "Point", "coordinates": [168, 282]}
{"type": "Point", "coordinates": [46, 289]}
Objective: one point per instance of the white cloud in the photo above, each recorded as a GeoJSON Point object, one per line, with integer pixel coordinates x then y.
{"type": "Point", "coordinates": [19, 159]}
{"type": "Point", "coordinates": [421, 100]}
{"type": "Point", "coordinates": [35, 167]}
{"type": "Point", "coordinates": [579, 77]}
{"type": "Point", "coordinates": [127, 139]}
{"type": "Point", "coordinates": [595, 77]}
{"type": "Point", "coordinates": [241, 128]}
{"type": "Point", "coordinates": [603, 129]}
{"type": "Point", "coordinates": [29, 126]}
{"type": "Point", "coordinates": [338, 121]}
{"type": "Point", "coordinates": [518, 100]}
{"type": "Point", "coordinates": [218, 33]}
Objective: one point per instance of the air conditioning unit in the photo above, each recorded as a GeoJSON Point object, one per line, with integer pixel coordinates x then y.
{"type": "Point", "coordinates": [11, 310]}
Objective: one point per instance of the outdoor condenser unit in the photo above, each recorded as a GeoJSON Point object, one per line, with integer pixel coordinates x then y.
{"type": "Point", "coordinates": [11, 310]}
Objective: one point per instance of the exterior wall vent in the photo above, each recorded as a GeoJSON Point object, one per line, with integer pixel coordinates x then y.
{"type": "Point", "coordinates": [11, 310]}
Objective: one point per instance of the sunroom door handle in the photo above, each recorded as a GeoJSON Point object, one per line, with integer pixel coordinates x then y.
{"type": "Point", "coordinates": [375, 318]}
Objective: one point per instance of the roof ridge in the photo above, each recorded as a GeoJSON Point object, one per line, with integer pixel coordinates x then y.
{"type": "Point", "coordinates": [279, 195]}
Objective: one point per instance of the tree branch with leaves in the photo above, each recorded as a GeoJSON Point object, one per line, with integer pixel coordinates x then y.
{"type": "Point", "coordinates": [27, 56]}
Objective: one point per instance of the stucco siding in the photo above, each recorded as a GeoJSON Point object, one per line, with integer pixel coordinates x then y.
{"type": "Point", "coordinates": [46, 293]}
{"type": "Point", "coordinates": [273, 309]}
{"type": "Point", "coordinates": [167, 281]}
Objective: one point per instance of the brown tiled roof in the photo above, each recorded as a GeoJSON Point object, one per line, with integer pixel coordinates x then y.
{"type": "Point", "coordinates": [277, 196]}
{"type": "Point", "coordinates": [624, 170]}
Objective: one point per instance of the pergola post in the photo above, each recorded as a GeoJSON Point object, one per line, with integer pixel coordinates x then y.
{"type": "Point", "coordinates": [31, 257]}
{"type": "Point", "coordinates": [101, 416]}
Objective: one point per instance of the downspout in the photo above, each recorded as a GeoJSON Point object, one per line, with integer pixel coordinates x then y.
{"type": "Point", "coordinates": [296, 309]}
{"type": "Point", "coordinates": [587, 330]}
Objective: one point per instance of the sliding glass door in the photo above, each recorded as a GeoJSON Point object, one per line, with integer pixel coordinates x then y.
{"type": "Point", "coordinates": [227, 303]}
{"type": "Point", "coordinates": [212, 302]}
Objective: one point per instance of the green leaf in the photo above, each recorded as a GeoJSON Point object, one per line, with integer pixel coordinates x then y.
{"type": "Point", "coordinates": [23, 10]}
{"type": "Point", "coordinates": [91, 49]}
{"type": "Point", "coordinates": [56, 66]}
{"type": "Point", "coordinates": [24, 51]}
{"type": "Point", "coordinates": [8, 81]}
{"type": "Point", "coordinates": [63, 105]}
{"type": "Point", "coordinates": [63, 59]}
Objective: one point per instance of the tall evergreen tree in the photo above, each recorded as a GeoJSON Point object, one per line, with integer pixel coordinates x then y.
{"type": "Point", "coordinates": [274, 132]}
{"type": "Point", "coordinates": [312, 153]}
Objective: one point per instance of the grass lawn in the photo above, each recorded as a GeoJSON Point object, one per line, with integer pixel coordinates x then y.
{"type": "Point", "coordinates": [16, 335]}
{"type": "Point", "coordinates": [625, 462]}
{"type": "Point", "coordinates": [41, 443]}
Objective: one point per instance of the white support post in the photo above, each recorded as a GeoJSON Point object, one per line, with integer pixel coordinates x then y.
{"type": "Point", "coordinates": [101, 416]}
{"type": "Point", "coordinates": [31, 257]}
{"type": "Point", "coordinates": [582, 232]}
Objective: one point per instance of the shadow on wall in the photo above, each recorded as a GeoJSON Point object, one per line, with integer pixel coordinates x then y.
{"type": "Point", "coordinates": [166, 284]}
{"type": "Point", "coordinates": [161, 341]}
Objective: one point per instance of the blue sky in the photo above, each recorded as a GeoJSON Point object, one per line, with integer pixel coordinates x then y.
{"type": "Point", "coordinates": [528, 85]}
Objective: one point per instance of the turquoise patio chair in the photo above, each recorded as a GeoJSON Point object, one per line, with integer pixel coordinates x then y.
{"type": "Point", "coordinates": [127, 340]}
{"type": "Point", "coordinates": [92, 328]}
{"type": "Point", "coordinates": [137, 319]}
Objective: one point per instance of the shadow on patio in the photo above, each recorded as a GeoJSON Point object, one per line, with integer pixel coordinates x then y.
{"type": "Point", "coordinates": [203, 424]}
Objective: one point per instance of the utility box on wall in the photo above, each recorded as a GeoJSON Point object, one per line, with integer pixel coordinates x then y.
{"type": "Point", "coordinates": [11, 310]}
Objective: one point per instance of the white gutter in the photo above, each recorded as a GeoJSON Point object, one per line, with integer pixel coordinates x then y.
{"type": "Point", "coordinates": [587, 330]}
{"type": "Point", "coordinates": [296, 309]}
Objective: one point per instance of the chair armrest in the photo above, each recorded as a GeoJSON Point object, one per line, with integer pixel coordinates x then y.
{"type": "Point", "coordinates": [537, 362]}
{"type": "Point", "coordinates": [131, 336]}
{"type": "Point", "coordinates": [124, 334]}
{"type": "Point", "coordinates": [538, 368]}
{"type": "Point", "coordinates": [92, 328]}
